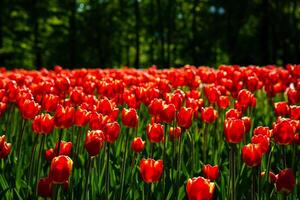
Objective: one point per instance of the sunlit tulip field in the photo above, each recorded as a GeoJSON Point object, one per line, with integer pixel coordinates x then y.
{"type": "Point", "coordinates": [195, 133]}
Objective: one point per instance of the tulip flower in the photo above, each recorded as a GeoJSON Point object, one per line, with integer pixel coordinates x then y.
{"type": "Point", "coordinates": [155, 132]}
{"type": "Point", "coordinates": [247, 123]}
{"type": "Point", "coordinates": [168, 113]}
{"type": "Point", "coordinates": [29, 108]}
{"type": "Point", "coordinates": [284, 132]}
{"type": "Point", "coordinates": [233, 113]}
{"type": "Point", "coordinates": [64, 116]}
{"type": "Point", "coordinates": [285, 181]}
{"type": "Point", "coordinates": [81, 117]}
{"type": "Point", "coordinates": [234, 130]}
{"type": "Point", "coordinates": [112, 131]}
{"type": "Point", "coordinates": [295, 112]}
{"type": "Point", "coordinates": [130, 117]}
{"type": "Point", "coordinates": [263, 141]}
{"type": "Point", "coordinates": [252, 154]}
{"type": "Point", "coordinates": [209, 115]}
{"type": "Point", "coordinates": [65, 149]}
{"type": "Point", "coordinates": [43, 124]}
{"type": "Point", "coordinates": [175, 133]}
{"type": "Point", "coordinates": [45, 187]}
{"type": "Point", "coordinates": [199, 188]}
{"type": "Point", "coordinates": [185, 117]}
{"type": "Point", "coordinates": [212, 94]}
{"type": "Point", "coordinates": [137, 145]}
{"type": "Point", "coordinates": [5, 148]}
{"type": "Point", "coordinates": [282, 109]}
{"type": "Point", "coordinates": [260, 130]}
{"type": "Point", "coordinates": [50, 102]}
{"type": "Point", "coordinates": [94, 142]}
{"type": "Point", "coordinates": [223, 102]}
{"type": "Point", "coordinates": [155, 107]}
{"type": "Point", "coordinates": [151, 170]}
{"type": "Point", "coordinates": [60, 170]}
{"type": "Point", "coordinates": [211, 172]}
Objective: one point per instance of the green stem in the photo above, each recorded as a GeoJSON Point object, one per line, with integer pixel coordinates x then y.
{"type": "Point", "coordinates": [107, 170]}
{"type": "Point", "coordinates": [165, 163]}
{"type": "Point", "coordinates": [40, 157]}
{"type": "Point", "coordinates": [21, 139]}
{"type": "Point", "coordinates": [124, 163]}
{"type": "Point", "coordinates": [59, 141]}
{"type": "Point", "coordinates": [87, 177]}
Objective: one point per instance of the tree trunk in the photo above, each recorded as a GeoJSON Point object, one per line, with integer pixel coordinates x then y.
{"type": "Point", "coordinates": [36, 35]}
{"type": "Point", "coordinates": [161, 33]}
{"type": "Point", "coordinates": [137, 34]}
{"type": "Point", "coordinates": [265, 33]}
{"type": "Point", "coordinates": [72, 34]}
{"type": "Point", "coordinates": [194, 32]}
{"type": "Point", "coordinates": [1, 33]}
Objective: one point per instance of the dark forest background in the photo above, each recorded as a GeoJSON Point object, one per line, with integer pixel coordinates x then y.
{"type": "Point", "coordinates": [139, 33]}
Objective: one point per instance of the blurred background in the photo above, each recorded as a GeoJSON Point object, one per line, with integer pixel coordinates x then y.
{"type": "Point", "coordinates": [139, 33]}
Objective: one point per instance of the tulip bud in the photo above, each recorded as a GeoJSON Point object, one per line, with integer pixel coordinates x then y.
{"type": "Point", "coordinates": [252, 154]}
{"type": "Point", "coordinates": [151, 170]}
{"type": "Point", "coordinates": [199, 188]}
{"type": "Point", "coordinates": [137, 145]}
{"type": "Point", "coordinates": [211, 172]}
{"type": "Point", "coordinates": [234, 130]}
{"type": "Point", "coordinates": [44, 187]}
{"type": "Point", "coordinates": [94, 142]}
{"type": "Point", "coordinates": [185, 117]}
{"type": "Point", "coordinates": [155, 132]}
{"type": "Point", "coordinates": [129, 117]}
{"type": "Point", "coordinates": [285, 181]}
{"type": "Point", "coordinates": [112, 131]}
{"type": "Point", "coordinates": [209, 115]}
{"type": "Point", "coordinates": [5, 148]}
{"type": "Point", "coordinates": [60, 170]}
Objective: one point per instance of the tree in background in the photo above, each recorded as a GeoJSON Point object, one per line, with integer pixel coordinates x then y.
{"type": "Point", "coordinates": [139, 33]}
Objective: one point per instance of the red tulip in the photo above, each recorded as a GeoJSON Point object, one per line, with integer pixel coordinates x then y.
{"type": "Point", "coordinates": [233, 113]}
{"type": "Point", "coordinates": [81, 117]}
{"type": "Point", "coordinates": [234, 130]}
{"type": "Point", "coordinates": [185, 117]}
{"type": "Point", "coordinates": [246, 98]}
{"type": "Point", "coordinates": [5, 148]}
{"type": "Point", "coordinates": [263, 141]}
{"type": "Point", "coordinates": [50, 102]}
{"type": "Point", "coordinates": [94, 142]}
{"type": "Point", "coordinates": [223, 102]}
{"type": "Point", "coordinates": [155, 107]}
{"type": "Point", "coordinates": [252, 154]}
{"type": "Point", "coordinates": [247, 122]}
{"type": "Point", "coordinates": [60, 170]}
{"type": "Point", "coordinates": [104, 106]}
{"type": "Point", "coordinates": [212, 94]}
{"type": "Point", "coordinates": [168, 113]}
{"type": "Point", "coordinates": [137, 145]}
{"type": "Point", "coordinates": [65, 149]}
{"type": "Point", "coordinates": [175, 133]}
{"type": "Point", "coordinates": [155, 132]}
{"type": "Point", "coordinates": [282, 108]}
{"type": "Point", "coordinates": [284, 132]}
{"type": "Point", "coordinates": [43, 124]}
{"type": "Point", "coordinates": [293, 96]}
{"type": "Point", "coordinates": [29, 108]}
{"type": "Point", "coordinates": [200, 188]}
{"type": "Point", "coordinates": [129, 117]}
{"type": "Point", "coordinates": [260, 130]}
{"type": "Point", "coordinates": [285, 181]}
{"type": "Point", "coordinates": [295, 112]}
{"type": "Point", "coordinates": [211, 172]}
{"type": "Point", "coordinates": [44, 187]}
{"type": "Point", "coordinates": [151, 170]}
{"type": "Point", "coordinates": [112, 131]}
{"type": "Point", "coordinates": [209, 115]}
{"type": "Point", "coordinates": [62, 83]}
{"type": "Point", "coordinates": [64, 116]}
{"type": "Point", "coordinates": [3, 107]}
{"type": "Point", "coordinates": [96, 121]}
{"type": "Point", "coordinates": [76, 95]}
